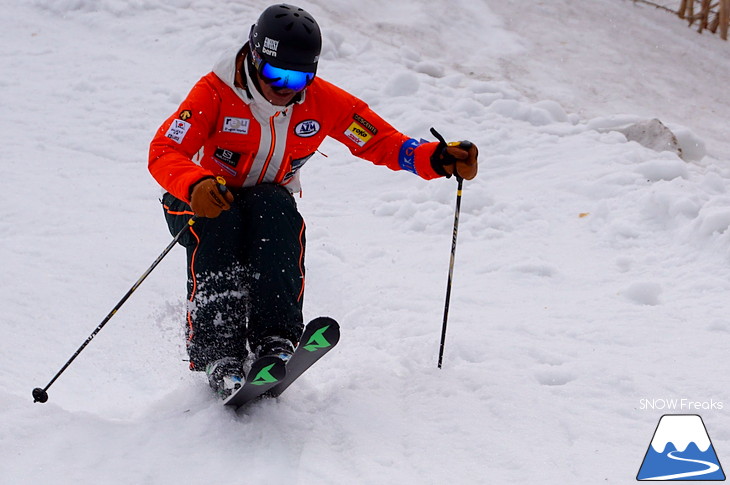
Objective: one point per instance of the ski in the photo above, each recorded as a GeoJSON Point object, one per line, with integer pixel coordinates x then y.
{"type": "Point", "coordinates": [270, 376]}
{"type": "Point", "coordinates": [319, 337]}
{"type": "Point", "coordinates": [265, 374]}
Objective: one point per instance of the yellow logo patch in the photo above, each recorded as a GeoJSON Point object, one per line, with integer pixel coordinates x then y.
{"type": "Point", "coordinates": [357, 133]}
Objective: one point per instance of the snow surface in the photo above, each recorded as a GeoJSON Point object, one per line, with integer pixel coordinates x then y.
{"type": "Point", "coordinates": [591, 274]}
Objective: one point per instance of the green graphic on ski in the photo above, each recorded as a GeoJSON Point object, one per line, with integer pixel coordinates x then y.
{"type": "Point", "coordinates": [319, 337]}
{"type": "Point", "coordinates": [265, 373]}
{"type": "Point", "coordinates": [270, 376]}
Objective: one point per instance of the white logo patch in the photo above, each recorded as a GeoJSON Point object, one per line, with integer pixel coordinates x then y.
{"type": "Point", "coordinates": [236, 125]}
{"type": "Point", "coordinates": [270, 47]}
{"type": "Point", "coordinates": [177, 130]}
{"type": "Point", "coordinates": [307, 128]}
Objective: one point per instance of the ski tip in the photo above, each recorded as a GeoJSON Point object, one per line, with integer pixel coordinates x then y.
{"type": "Point", "coordinates": [322, 321]}
{"type": "Point", "coordinates": [324, 329]}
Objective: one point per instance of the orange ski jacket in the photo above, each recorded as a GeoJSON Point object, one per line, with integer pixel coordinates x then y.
{"type": "Point", "coordinates": [223, 130]}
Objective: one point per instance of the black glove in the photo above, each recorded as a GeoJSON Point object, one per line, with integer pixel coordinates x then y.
{"type": "Point", "coordinates": [458, 157]}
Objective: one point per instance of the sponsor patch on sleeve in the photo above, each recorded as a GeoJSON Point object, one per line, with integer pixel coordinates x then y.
{"type": "Point", "coordinates": [407, 156]}
{"type": "Point", "coordinates": [177, 131]}
{"type": "Point", "coordinates": [369, 126]}
{"type": "Point", "coordinates": [358, 134]}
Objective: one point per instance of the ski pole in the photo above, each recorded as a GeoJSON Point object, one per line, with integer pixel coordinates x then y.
{"type": "Point", "coordinates": [459, 190]}
{"type": "Point", "coordinates": [41, 395]}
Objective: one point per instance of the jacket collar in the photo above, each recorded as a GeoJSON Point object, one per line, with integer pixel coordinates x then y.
{"type": "Point", "coordinates": [226, 68]}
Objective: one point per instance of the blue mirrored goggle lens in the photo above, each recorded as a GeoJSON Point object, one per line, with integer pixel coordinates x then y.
{"type": "Point", "coordinates": [285, 78]}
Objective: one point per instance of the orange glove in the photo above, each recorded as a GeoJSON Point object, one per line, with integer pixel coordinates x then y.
{"type": "Point", "coordinates": [209, 198]}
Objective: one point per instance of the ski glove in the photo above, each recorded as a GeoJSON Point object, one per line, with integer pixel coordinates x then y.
{"type": "Point", "coordinates": [208, 200]}
{"type": "Point", "coordinates": [456, 157]}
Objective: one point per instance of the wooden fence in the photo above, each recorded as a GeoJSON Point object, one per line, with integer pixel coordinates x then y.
{"type": "Point", "coordinates": [712, 15]}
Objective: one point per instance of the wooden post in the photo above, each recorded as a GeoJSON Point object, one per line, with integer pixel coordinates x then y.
{"type": "Point", "coordinates": [704, 15]}
{"type": "Point", "coordinates": [712, 26]}
{"type": "Point", "coordinates": [682, 9]}
{"type": "Point", "coordinates": [689, 12]}
{"type": "Point", "coordinates": [724, 18]}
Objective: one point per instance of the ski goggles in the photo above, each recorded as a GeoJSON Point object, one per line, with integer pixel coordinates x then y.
{"type": "Point", "coordinates": [279, 78]}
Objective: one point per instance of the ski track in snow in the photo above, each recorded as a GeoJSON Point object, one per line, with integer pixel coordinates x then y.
{"type": "Point", "coordinates": [591, 272]}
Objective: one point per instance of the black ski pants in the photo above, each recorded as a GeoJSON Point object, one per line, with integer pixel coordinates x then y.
{"type": "Point", "coordinates": [245, 272]}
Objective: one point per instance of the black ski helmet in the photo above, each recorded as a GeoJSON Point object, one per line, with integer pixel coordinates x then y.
{"type": "Point", "coordinates": [287, 37]}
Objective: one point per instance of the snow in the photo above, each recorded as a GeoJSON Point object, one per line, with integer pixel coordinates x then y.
{"type": "Point", "coordinates": [591, 271]}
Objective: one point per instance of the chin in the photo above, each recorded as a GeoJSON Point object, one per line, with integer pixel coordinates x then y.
{"type": "Point", "coordinates": [280, 100]}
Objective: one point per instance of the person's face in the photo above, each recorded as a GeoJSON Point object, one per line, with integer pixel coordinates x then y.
{"type": "Point", "coordinates": [277, 97]}
{"type": "Point", "coordinates": [279, 86]}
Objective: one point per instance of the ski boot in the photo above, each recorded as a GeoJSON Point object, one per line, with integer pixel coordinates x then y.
{"type": "Point", "coordinates": [276, 347]}
{"type": "Point", "coordinates": [225, 376]}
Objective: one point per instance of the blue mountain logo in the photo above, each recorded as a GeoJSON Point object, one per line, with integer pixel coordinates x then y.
{"type": "Point", "coordinates": [681, 450]}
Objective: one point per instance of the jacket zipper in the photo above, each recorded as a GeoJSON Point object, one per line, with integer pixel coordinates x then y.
{"type": "Point", "coordinates": [272, 148]}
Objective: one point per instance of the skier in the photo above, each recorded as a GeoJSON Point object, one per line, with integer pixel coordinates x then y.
{"type": "Point", "coordinates": [252, 123]}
